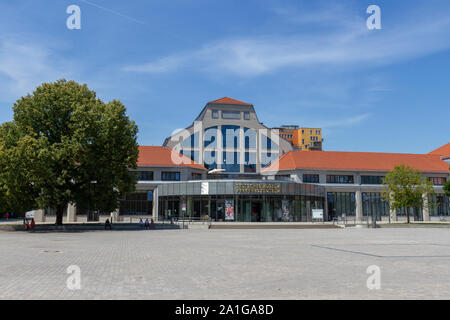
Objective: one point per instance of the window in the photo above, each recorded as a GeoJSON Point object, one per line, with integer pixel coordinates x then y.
{"type": "Point", "coordinates": [339, 179]}
{"type": "Point", "coordinates": [246, 115]}
{"type": "Point", "coordinates": [196, 176]}
{"type": "Point", "coordinates": [191, 141]}
{"type": "Point", "coordinates": [231, 115]}
{"type": "Point", "coordinates": [310, 178]}
{"type": "Point", "coordinates": [170, 176]}
{"type": "Point", "coordinates": [215, 114]}
{"type": "Point", "coordinates": [438, 181]}
{"type": "Point", "coordinates": [230, 161]}
{"type": "Point", "coordinates": [249, 138]}
{"type": "Point", "coordinates": [144, 175]}
{"type": "Point", "coordinates": [210, 160]}
{"type": "Point", "coordinates": [230, 137]}
{"type": "Point", "coordinates": [340, 203]}
{"type": "Point", "coordinates": [268, 144]}
{"type": "Point", "coordinates": [210, 137]}
{"type": "Point", "coordinates": [283, 177]}
{"type": "Point", "coordinates": [250, 162]}
{"type": "Point", "coordinates": [372, 179]}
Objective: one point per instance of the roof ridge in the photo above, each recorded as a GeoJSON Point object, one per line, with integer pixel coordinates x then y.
{"type": "Point", "coordinates": [228, 100]}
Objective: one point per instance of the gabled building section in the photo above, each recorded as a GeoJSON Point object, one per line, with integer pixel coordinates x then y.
{"type": "Point", "coordinates": [443, 152]}
{"type": "Point", "coordinates": [227, 137]}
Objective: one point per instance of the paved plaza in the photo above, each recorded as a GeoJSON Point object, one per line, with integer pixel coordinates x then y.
{"type": "Point", "coordinates": [227, 264]}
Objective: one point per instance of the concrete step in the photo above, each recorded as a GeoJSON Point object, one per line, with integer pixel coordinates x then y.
{"type": "Point", "coordinates": [256, 225]}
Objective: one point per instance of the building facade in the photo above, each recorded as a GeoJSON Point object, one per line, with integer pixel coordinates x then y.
{"type": "Point", "coordinates": [227, 137]}
{"type": "Point", "coordinates": [308, 139]}
{"type": "Point", "coordinates": [228, 167]}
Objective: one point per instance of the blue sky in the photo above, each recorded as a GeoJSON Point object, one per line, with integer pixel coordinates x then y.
{"type": "Point", "coordinates": [310, 63]}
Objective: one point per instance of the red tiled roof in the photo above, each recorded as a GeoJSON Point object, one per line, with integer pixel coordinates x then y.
{"type": "Point", "coordinates": [443, 151]}
{"type": "Point", "coordinates": [227, 100]}
{"type": "Point", "coordinates": [162, 157]}
{"type": "Point", "coordinates": [364, 161]}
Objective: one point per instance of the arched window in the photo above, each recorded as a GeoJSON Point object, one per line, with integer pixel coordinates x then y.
{"type": "Point", "coordinates": [191, 141]}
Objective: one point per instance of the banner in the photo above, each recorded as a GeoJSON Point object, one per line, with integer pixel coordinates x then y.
{"type": "Point", "coordinates": [229, 209]}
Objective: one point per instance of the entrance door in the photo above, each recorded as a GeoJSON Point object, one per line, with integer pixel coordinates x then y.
{"type": "Point", "coordinates": [256, 211]}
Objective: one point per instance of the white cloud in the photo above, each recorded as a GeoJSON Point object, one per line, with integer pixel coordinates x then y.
{"type": "Point", "coordinates": [163, 65]}
{"type": "Point", "coordinates": [23, 66]}
{"type": "Point", "coordinates": [349, 46]}
{"type": "Point", "coordinates": [345, 122]}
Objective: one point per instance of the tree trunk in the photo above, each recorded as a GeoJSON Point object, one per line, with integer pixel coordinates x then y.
{"type": "Point", "coordinates": [59, 215]}
{"type": "Point", "coordinates": [407, 215]}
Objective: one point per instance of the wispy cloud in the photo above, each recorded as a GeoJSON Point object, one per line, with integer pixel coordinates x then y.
{"type": "Point", "coordinates": [23, 66]}
{"type": "Point", "coordinates": [255, 56]}
{"type": "Point", "coordinates": [163, 65]}
{"type": "Point", "coordinates": [344, 122]}
{"type": "Point", "coordinates": [337, 14]}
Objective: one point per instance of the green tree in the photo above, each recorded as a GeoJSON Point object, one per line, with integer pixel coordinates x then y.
{"type": "Point", "coordinates": [406, 188]}
{"type": "Point", "coordinates": [62, 139]}
{"type": "Point", "coordinates": [447, 188]}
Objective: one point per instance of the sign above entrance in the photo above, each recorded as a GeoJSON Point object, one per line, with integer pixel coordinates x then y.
{"type": "Point", "coordinates": [205, 188]}
{"type": "Point", "coordinates": [258, 188]}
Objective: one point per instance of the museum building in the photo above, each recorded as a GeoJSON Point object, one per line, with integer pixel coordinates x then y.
{"type": "Point", "coordinates": [227, 166]}
{"type": "Point", "coordinates": [250, 174]}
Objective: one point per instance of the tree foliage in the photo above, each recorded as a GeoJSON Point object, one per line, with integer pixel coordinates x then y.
{"type": "Point", "coordinates": [406, 188]}
{"type": "Point", "coordinates": [447, 188]}
{"type": "Point", "coordinates": [62, 139]}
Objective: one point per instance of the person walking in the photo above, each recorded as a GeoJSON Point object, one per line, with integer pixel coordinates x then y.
{"type": "Point", "coordinates": [32, 224]}
{"type": "Point", "coordinates": [7, 215]}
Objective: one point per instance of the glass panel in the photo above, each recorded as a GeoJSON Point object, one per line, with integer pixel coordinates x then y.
{"type": "Point", "coordinates": [249, 138]}
{"type": "Point", "coordinates": [250, 162]}
{"type": "Point", "coordinates": [231, 114]}
{"type": "Point", "coordinates": [230, 137]}
{"type": "Point", "coordinates": [210, 137]}
{"type": "Point", "coordinates": [210, 160]}
{"type": "Point", "coordinates": [191, 141]}
{"type": "Point", "coordinates": [230, 161]}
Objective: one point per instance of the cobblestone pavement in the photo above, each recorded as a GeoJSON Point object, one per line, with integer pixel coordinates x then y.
{"type": "Point", "coordinates": [227, 264]}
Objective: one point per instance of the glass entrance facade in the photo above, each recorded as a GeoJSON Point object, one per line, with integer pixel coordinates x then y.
{"type": "Point", "coordinates": [241, 201]}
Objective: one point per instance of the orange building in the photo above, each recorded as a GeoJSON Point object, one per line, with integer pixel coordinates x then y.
{"type": "Point", "coordinates": [302, 138]}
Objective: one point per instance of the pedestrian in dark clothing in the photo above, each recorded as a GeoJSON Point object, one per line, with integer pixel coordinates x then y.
{"type": "Point", "coordinates": [152, 224]}
{"type": "Point", "coordinates": [147, 224]}
{"type": "Point", "coordinates": [32, 224]}
{"type": "Point", "coordinates": [107, 224]}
